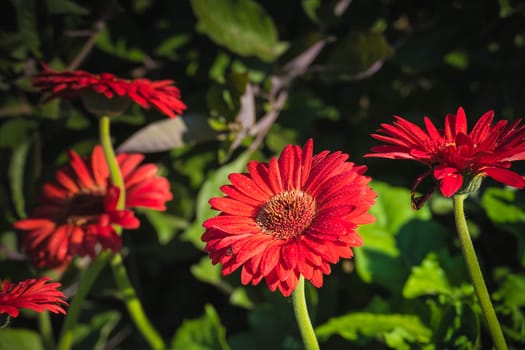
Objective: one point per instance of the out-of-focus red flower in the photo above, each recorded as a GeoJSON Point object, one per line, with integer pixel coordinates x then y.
{"type": "Point", "coordinates": [293, 216]}
{"type": "Point", "coordinates": [34, 294]}
{"type": "Point", "coordinates": [71, 84]}
{"type": "Point", "coordinates": [77, 210]}
{"type": "Point", "coordinates": [458, 160]}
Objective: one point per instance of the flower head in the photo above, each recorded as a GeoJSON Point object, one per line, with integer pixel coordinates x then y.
{"type": "Point", "coordinates": [107, 94]}
{"type": "Point", "coordinates": [290, 217]}
{"type": "Point", "coordinates": [458, 159]}
{"type": "Point", "coordinates": [34, 294]}
{"type": "Point", "coordinates": [77, 209]}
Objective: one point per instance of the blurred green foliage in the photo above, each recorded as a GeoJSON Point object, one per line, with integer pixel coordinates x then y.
{"type": "Point", "coordinates": [262, 74]}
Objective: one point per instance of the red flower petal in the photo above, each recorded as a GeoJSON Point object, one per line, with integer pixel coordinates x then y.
{"type": "Point", "coordinates": [292, 216]}
{"type": "Point", "coordinates": [455, 154]}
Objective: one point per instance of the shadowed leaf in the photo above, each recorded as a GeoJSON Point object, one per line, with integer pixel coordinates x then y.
{"type": "Point", "coordinates": [243, 26]}
{"type": "Point", "coordinates": [167, 134]}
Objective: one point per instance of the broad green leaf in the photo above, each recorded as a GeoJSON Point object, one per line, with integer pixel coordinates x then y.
{"type": "Point", "coordinates": [501, 206]}
{"type": "Point", "coordinates": [428, 278]}
{"type": "Point", "coordinates": [417, 238]}
{"type": "Point", "coordinates": [204, 333]}
{"type": "Point", "coordinates": [399, 329]}
{"type": "Point", "coordinates": [210, 189]}
{"type": "Point", "coordinates": [357, 56]}
{"type": "Point", "coordinates": [243, 26]}
{"type": "Point", "coordinates": [378, 260]}
{"type": "Point", "coordinates": [19, 339]}
{"type": "Point", "coordinates": [504, 207]}
{"type": "Point", "coordinates": [167, 134]}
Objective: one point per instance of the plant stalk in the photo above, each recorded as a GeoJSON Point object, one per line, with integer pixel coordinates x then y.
{"type": "Point", "coordinates": [475, 274]}
{"type": "Point", "coordinates": [120, 274]}
{"type": "Point", "coordinates": [302, 317]}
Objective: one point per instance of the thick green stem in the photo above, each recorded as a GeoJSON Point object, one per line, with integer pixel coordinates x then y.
{"type": "Point", "coordinates": [475, 274]}
{"type": "Point", "coordinates": [88, 278]}
{"type": "Point", "coordinates": [131, 300]}
{"type": "Point", "coordinates": [134, 306]}
{"type": "Point", "coordinates": [302, 317]}
{"type": "Point", "coordinates": [46, 331]}
{"type": "Point", "coordinates": [109, 153]}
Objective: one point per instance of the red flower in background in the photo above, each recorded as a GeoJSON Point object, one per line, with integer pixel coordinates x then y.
{"type": "Point", "coordinates": [34, 294]}
{"type": "Point", "coordinates": [71, 84]}
{"type": "Point", "coordinates": [293, 216]}
{"type": "Point", "coordinates": [77, 209]}
{"type": "Point", "coordinates": [457, 158]}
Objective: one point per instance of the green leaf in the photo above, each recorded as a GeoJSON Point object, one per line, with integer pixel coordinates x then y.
{"type": "Point", "coordinates": [503, 207]}
{"type": "Point", "coordinates": [167, 134]}
{"type": "Point", "coordinates": [16, 177]}
{"type": "Point", "coordinates": [428, 278]}
{"type": "Point", "coordinates": [26, 15]}
{"type": "Point", "coordinates": [94, 335]}
{"type": "Point", "coordinates": [310, 8]}
{"type": "Point", "coordinates": [512, 292]}
{"type": "Point", "coordinates": [458, 329]}
{"type": "Point", "coordinates": [239, 297]}
{"type": "Point", "coordinates": [397, 329]}
{"type": "Point", "coordinates": [118, 47]}
{"type": "Point", "coordinates": [357, 56]}
{"type": "Point", "coordinates": [19, 339]}
{"type": "Point", "coordinates": [243, 26]}
{"type": "Point", "coordinates": [204, 333]}
{"type": "Point", "coordinates": [378, 260]}
{"type": "Point", "coordinates": [457, 59]}
{"type": "Point", "coordinates": [206, 272]}
{"type": "Point", "coordinates": [511, 299]}
{"type": "Point", "coordinates": [15, 132]}
{"type": "Point", "coordinates": [210, 189]}
{"type": "Point", "coordinates": [166, 225]}
{"type": "Point", "coordinates": [169, 47]}
{"type": "Point", "coordinates": [65, 7]}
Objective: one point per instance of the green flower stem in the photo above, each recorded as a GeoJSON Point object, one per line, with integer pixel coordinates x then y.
{"type": "Point", "coordinates": [303, 319]}
{"type": "Point", "coordinates": [134, 306]}
{"type": "Point", "coordinates": [109, 153]}
{"type": "Point", "coordinates": [120, 274]}
{"type": "Point", "coordinates": [88, 278]}
{"type": "Point", "coordinates": [46, 331]}
{"type": "Point", "coordinates": [475, 274]}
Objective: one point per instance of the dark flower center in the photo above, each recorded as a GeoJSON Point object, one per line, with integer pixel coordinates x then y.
{"type": "Point", "coordinates": [84, 208]}
{"type": "Point", "coordinates": [287, 214]}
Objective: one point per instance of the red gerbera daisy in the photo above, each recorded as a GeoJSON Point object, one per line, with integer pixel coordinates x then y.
{"type": "Point", "coordinates": [70, 84]}
{"type": "Point", "coordinates": [34, 294]}
{"type": "Point", "coordinates": [77, 209]}
{"type": "Point", "coordinates": [458, 159]}
{"type": "Point", "coordinates": [293, 216]}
